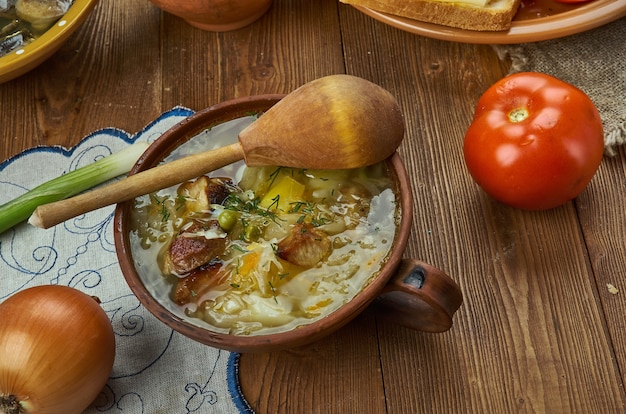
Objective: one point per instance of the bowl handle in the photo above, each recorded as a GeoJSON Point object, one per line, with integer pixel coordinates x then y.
{"type": "Point", "coordinates": [419, 296]}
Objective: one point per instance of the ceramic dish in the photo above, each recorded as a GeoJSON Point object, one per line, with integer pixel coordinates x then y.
{"type": "Point", "coordinates": [569, 21]}
{"type": "Point", "coordinates": [216, 15]}
{"type": "Point", "coordinates": [406, 291]}
{"type": "Point", "coordinates": [33, 54]}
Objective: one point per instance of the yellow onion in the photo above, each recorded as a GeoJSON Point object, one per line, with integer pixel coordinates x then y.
{"type": "Point", "coordinates": [57, 348]}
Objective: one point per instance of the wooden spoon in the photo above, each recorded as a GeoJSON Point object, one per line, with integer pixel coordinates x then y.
{"type": "Point", "coordinates": [334, 122]}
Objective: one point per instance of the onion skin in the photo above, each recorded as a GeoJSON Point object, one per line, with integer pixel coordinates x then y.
{"type": "Point", "coordinates": [57, 349]}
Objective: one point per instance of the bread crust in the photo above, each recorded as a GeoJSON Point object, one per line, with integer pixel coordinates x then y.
{"type": "Point", "coordinates": [458, 15]}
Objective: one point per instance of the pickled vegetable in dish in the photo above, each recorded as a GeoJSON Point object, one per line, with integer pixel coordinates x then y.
{"type": "Point", "coordinates": [41, 14]}
{"type": "Point", "coordinates": [22, 21]}
{"type": "Point", "coordinates": [266, 249]}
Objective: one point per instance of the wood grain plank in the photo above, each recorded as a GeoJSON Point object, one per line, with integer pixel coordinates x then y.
{"type": "Point", "coordinates": [601, 211]}
{"type": "Point", "coordinates": [123, 77]}
{"type": "Point", "coordinates": [529, 337]}
{"type": "Point", "coordinates": [85, 85]}
{"type": "Point", "coordinates": [294, 43]}
{"type": "Point", "coordinates": [340, 374]}
{"type": "Point", "coordinates": [539, 332]}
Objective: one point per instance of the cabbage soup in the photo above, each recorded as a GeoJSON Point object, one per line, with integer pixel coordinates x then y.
{"type": "Point", "coordinates": [250, 251]}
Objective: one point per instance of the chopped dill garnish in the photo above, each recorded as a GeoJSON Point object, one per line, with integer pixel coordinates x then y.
{"type": "Point", "coordinates": [273, 291]}
{"type": "Point", "coordinates": [159, 201]}
{"type": "Point", "coordinates": [275, 202]}
{"type": "Point", "coordinates": [251, 207]}
{"type": "Point", "coordinates": [308, 209]}
{"type": "Point", "coordinates": [165, 213]}
{"type": "Point", "coordinates": [296, 206]}
{"type": "Point", "coordinates": [302, 206]}
{"type": "Point", "coordinates": [274, 175]}
{"type": "Point", "coordinates": [319, 221]}
{"type": "Point", "coordinates": [180, 202]}
{"type": "Point", "coordinates": [238, 248]}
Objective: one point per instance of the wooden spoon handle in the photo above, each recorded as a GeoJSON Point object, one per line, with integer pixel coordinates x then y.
{"type": "Point", "coordinates": [145, 182]}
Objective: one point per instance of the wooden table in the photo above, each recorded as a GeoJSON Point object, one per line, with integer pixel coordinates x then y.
{"type": "Point", "coordinates": [538, 332]}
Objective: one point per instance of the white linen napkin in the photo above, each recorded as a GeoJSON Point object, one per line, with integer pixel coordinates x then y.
{"type": "Point", "coordinates": [156, 370]}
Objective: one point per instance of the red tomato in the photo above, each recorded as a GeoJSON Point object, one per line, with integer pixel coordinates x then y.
{"type": "Point", "coordinates": [535, 141]}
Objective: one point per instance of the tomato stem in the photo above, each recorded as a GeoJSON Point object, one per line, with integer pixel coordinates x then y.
{"type": "Point", "coordinates": [518, 114]}
{"type": "Point", "coordinates": [9, 404]}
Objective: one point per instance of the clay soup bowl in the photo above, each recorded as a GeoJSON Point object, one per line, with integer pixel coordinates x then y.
{"type": "Point", "coordinates": [405, 291]}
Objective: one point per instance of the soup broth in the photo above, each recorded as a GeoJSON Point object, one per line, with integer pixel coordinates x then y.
{"type": "Point", "coordinates": [251, 251]}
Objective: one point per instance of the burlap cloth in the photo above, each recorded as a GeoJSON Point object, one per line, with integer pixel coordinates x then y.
{"type": "Point", "coordinates": [594, 61]}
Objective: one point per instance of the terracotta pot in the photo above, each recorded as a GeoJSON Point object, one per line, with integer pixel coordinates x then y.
{"type": "Point", "coordinates": [216, 15]}
{"type": "Point", "coordinates": [405, 291]}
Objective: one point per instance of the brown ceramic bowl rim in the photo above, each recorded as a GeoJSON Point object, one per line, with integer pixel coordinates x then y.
{"type": "Point", "coordinates": [303, 335]}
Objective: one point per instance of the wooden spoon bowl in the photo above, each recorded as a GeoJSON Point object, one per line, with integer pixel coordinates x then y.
{"type": "Point", "coordinates": [400, 287]}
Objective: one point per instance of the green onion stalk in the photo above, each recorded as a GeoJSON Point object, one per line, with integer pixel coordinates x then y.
{"type": "Point", "coordinates": [69, 184]}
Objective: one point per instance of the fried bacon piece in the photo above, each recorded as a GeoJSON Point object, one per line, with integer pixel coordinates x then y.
{"type": "Point", "coordinates": [305, 246]}
{"type": "Point", "coordinates": [194, 246]}
{"type": "Point", "coordinates": [194, 285]}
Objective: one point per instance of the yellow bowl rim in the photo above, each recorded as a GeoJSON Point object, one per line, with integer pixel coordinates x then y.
{"type": "Point", "coordinates": [29, 56]}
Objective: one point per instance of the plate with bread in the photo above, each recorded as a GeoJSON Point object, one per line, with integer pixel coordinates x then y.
{"type": "Point", "coordinates": [492, 21]}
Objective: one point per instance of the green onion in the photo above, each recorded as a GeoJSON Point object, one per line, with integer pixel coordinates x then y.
{"type": "Point", "coordinates": [67, 185]}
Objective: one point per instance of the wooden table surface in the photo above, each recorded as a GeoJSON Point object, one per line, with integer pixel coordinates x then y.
{"type": "Point", "coordinates": [538, 332]}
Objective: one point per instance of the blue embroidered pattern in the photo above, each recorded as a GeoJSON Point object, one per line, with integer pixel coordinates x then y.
{"type": "Point", "coordinates": [156, 369]}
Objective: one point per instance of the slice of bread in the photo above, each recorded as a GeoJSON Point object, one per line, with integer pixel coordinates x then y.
{"type": "Point", "coordinates": [496, 15]}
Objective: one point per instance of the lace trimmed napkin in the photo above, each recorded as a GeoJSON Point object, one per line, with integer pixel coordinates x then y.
{"type": "Point", "coordinates": [594, 61]}
{"type": "Point", "coordinates": [156, 370]}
